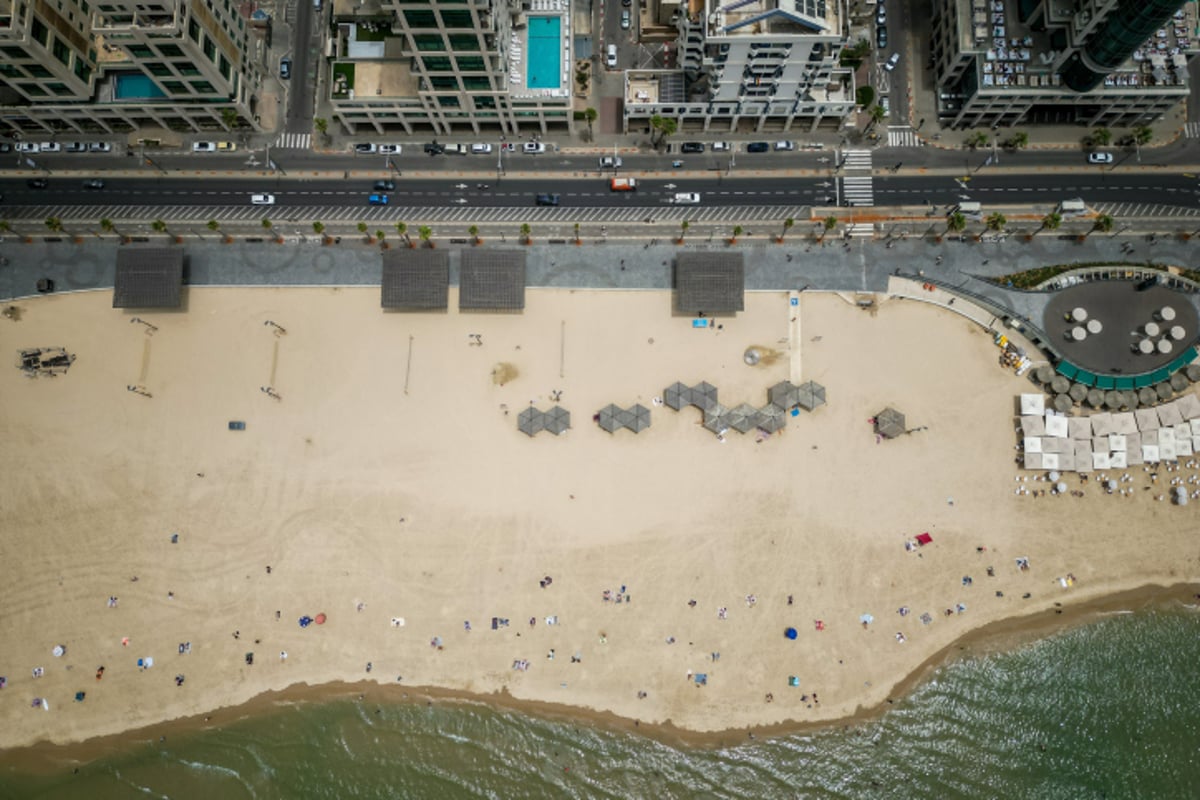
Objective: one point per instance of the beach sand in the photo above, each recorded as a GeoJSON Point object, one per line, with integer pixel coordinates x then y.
{"type": "Point", "coordinates": [370, 502]}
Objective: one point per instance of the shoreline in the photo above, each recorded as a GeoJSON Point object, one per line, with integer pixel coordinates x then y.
{"type": "Point", "coordinates": [1003, 635]}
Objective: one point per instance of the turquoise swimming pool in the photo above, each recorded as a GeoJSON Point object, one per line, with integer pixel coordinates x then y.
{"type": "Point", "coordinates": [544, 46]}
{"type": "Point", "coordinates": [137, 87]}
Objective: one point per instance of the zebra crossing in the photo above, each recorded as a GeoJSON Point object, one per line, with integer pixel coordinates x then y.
{"type": "Point", "coordinates": [1145, 210]}
{"type": "Point", "coordinates": [860, 230]}
{"type": "Point", "coordinates": [294, 141]}
{"type": "Point", "coordinates": [1192, 130]}
{"type": "Point", "coordinates": [856, 159]}
{"type": "Point", "coordinates": [903, 136]}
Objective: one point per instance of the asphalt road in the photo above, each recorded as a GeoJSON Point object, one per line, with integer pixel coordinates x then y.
{"type": "Point", "coordinates": [304, 74]}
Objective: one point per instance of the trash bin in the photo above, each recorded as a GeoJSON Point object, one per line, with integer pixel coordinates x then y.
{"type": "Point", "coordinates": [45, 285]}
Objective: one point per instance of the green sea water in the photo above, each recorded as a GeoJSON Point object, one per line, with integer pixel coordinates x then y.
{"type": "Point", "coordinates": [1107, 710]}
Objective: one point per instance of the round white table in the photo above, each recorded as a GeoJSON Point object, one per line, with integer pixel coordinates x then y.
{"type": "Point", "coordinates": [1094, 326]}
{"type": "Point", "coordinates": [1078, 333]}
{"type": "Point", "coordinates": [1152, 329]}
{"type": "Point", "coordinates": [1165, 346]}
{"type": "Point", "coordinates": [1177, 333]}
{"type": "Point", "coordinates": [1166, 313]}
{"type": "Point", "coordinates": [1079, 314]}
{"type": "Point", "coordinates": [1146, 346]}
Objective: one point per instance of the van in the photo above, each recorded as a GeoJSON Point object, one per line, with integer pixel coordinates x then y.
{"type": "Point", "coordinates": [1072, 208]}
{"type": "Point", "coordinates": [456, 150]}
{"type": "Point", "coordinates": [970, 208]}
{"type": "Point", "coordinates": [610, 57]}
{"type": "Point", "coordinates": [623, 184]}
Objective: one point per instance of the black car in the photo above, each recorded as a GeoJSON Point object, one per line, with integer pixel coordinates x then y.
{"type": "Point", "coordinates": [435, 149]}
{"type": "Point", "coordinates": [37, 183]}
{"type": "Point", "coordinates": [385, 186]}
{"type": "Point", "coordinates": [881, 37]}
{"type": "Point", "coordinates": [692, 147]}
{"type": "Point", "coordinates": [547, 199]}
{"type": "Point", "coordinates": [285, 68]}
{"type": "Point", "coordinates": [758, 147]}
{"type": "Point", "coordinates": [94, 183]}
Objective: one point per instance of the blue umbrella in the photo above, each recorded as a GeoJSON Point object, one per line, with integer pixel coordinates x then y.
{"type": "Point", "coordinates": [790, 633]}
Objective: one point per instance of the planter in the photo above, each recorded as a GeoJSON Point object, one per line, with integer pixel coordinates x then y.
{"type": "Point", "coordinates": [476, 242]}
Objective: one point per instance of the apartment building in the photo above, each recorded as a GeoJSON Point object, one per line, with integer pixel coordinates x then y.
{"type": "Point", "coordinates": [118, 66]}
{"type": "Point", "coordinates": [481, 67]}
{"type": "Point", "coordinates": [1093, 62]}
{"type": "Point", "coordinates": [749, 65]}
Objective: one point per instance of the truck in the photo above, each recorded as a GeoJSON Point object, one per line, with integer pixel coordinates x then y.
{"type": "Point", "coordinates": [623, 184]}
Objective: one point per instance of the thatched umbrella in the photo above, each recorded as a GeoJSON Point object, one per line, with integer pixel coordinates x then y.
{"type": "Point", "coordinates": [1164, 391]}
{"type": "Point", "coordinates": [1129, 399]}
{"type": "Point", "coordinates": [704, 395]}
{"type": "Point", "coordinates": [1044, 374]}
{"type": "Point", "coordinates": [677, 396]}
{"type": "Point", "coordinates": [1063, 402]}
{"type": "Point", "coordinates": [1179, 382]}
{"type": "Point", "coordinates": [1060, 385]}
{"type": "Point", "coordinates": [1078, 392]}
{"type": "Point", "coordinates": [1095, 398]}
{"type": "Point", "coordinates": [810, 394]}
{"type": "Point", "coordinates": [889, 423]}
{"type": "Point", "coordinates": [782, 394]}
{"type": "Point", "coordinates": [608, 418]}
{"type": "Point", "coordinates": [1147, 396]}
{"type": "Point", "coordinates": [641, 419]}
{"type": "Point", "coordinates": [1112, 399]}
{"type": "Point", "coordinates": [558, 420]}
{"type": "Point", "coordinates": [1192, 371]}
{"type": "Point", "coordinates": [531, 421]}
{"type": "Point", "coordinates": [743, 417]}
{"type": "Point", "coordinates": [771, 418]}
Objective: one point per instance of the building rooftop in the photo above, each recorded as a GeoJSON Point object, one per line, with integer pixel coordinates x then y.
{"type": "Point", "coordinates": [772, 17]}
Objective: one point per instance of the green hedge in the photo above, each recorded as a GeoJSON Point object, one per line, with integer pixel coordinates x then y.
{"type": "Point", "coordinates": [1031, 278]}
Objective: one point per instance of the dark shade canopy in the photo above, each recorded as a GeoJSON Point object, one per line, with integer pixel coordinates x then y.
{"type": "Point", "coordinates": [810, 395]}
{"type": "Point", "coordinates": [1147, 396]}
{"type": "Point", "coordinates": [641, 418]}
{"type": "Point", "coordinates": [710, 282]}
{"type": "Point", "coordinates": [557, 420]}
{"type": "Point", "coordinates": [148, 277]}
{"type": "Point", "coordinates": [677, 396]}
{"type": "Point", "coordinates": [1129, 399]}
{"type": "Point", "coordinates": [608, 418]}
{"type": "Point", "coordinates": [1044, 374]}
{"type": "Point", "coordinates": [1063, 402]}
{"type": "Point", "coordinates": [531, 421]}
{"type": "Point", "coordinates": [1192, 371]}
{"type": "Point", "coordinates": [743, 417]}
{"type": "Point", "coordinates": [1164, 390]}
{"type": "Point", "coordinates": [1078, 392]}
{"type": "Point", "coordinates": [783, 394]}
{"type": "Point", "coordinates": [1179, 382]}
{"type": "Point", "coordinates": [889, 423]}
{"type": "Point", "coordinates": [714, 418]}
{"type": "Point", "coordinates": [415, 279]}
{"type": "Point", "coordinates": [492, 280]}
{"type": "Point", "coordinates": [704, 395]}
{"type": "Point", "coordinates": [771, 418]}
{"type": "Point", "coordinates": [1059, 384]}
{"type": "Point", "coordinates": [1113, 399]}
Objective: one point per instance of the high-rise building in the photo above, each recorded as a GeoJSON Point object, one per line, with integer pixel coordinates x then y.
{"type": "Point", "coordinates": [749, 65]}
{"type": "Point", "coordinates": [471, 66]}
{"type": "Point", "coordinates": [1096, 62]}
{"type": "Point", "coordinates": [182, 65]}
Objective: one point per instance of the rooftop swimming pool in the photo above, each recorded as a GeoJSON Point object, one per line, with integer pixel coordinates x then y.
{"type": "Point", "coordinates": [545, 46]}
{"type": "Point", "coordinates": [136, 87]}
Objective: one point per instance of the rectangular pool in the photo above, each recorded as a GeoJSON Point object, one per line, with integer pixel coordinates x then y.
{"type": "Point", "coordinates": [544, 56]}
{"type": "Point", "coordinates": [136, 87]}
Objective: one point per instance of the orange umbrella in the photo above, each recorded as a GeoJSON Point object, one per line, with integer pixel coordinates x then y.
{"type": "Point", "coordinates": [319, 619]}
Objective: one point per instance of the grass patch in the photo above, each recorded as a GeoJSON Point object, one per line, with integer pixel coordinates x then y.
{"type": "Point", "coordinates": [1032, 278]}
{"type": "Point", "coordinates": [372, 31]}
{"type": "Point", "coordinates": [343, 80]}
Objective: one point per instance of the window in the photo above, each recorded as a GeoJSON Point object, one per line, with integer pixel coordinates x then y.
{"type": "Point", "coordinates": [470, 64]}
{"type": "Point", "coordinates": [477, 84]}
{"type": "Point", "coordinates": [170, 51]}
{"type": "Point", "coordinates": [186, 68]}
{"type": "Point", "coordinates": [159, 69]}
{"type": "Point", "coordinates": [210, 49]}
{"type": "Point", "coordinates": [458, 19]}
{"type": "Point", "coordinates": [464, 42]}
{"type": "Point", "coordinates": [193, 30]}
{"type": "Point", "coordinates": [38, 31]}
{"type": "Point", "coordinates": [32, 89]}
{"type": "Point", "coordinates": [447, 101]}
{"type": "Point", "coordinates": [175, 87]}
{"type": "Point", "coordinates": [14, 52]}
{"type": "Point", "coordinates": [224, 68]}
{"type": "Point", "coordinates": [82, 70]}
{"type": "Point", "coordinates": [420, 19]}
{"type": "Point", "coordinates": [485, 102]}
{"type": "Point", "coordinates": [203, 87]}
{"type": "Point", "coordinates": [429, 42]}
{"type": "Point", "coordinates": [436, 63]}
{"type": "Point", "coordinates": [443, 82]}
{"type": "Point", "coordinates": [61, 51]}
{"type": "Point", "coordinates": [60, 89]}
{"type": "Point", "coordinates": [38, 71]}
{"type": "Point", "coordinates": [140, 51]}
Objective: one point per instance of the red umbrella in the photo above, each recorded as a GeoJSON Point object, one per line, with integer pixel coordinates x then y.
{"type": "Point", "coordinates": [319, 619]}
{"type": "Point", "coordinates": [924, 538]}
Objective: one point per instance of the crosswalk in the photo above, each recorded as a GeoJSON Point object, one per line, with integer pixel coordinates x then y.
{"type": "Point", "coordinates": [294, 141]}
{"type": "Point", "coordinates": [1144, 210]}
{"type": "Point", "coordinates": [860, 230]}
{"type": "Point", "coordinates": [856, 159]}
{"type": "Point", "coordinates": [903, 136]}
{"type": "Point", "coordinates": [857, 190]}
{"type": "Point", "coordinates": [1192, 130]}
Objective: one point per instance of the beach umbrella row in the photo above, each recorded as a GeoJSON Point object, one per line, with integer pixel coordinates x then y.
{"type": "Point", "coordinates": [531, 421]}
{"type": "Point", "coordinates": [612, 417]}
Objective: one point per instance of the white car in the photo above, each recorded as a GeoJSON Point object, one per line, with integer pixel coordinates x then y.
{"type": "Point", "coordinates": [785, 145]}
{"type": "Point", "coordinates": [686, 198]}
{"type": "Point", "coordinates": [27, 147]}
{"type": "Point", "coordinates": [99, 147]}
{"type": "Point", "coordinates": [720, 147]}
{"type": "Point", "coordinates": [389, 149]}
{"type": "Point", "coordinates": [611, 162]}
{"type": "Point", "coordinates": [610, 56]}
{"type": "Point", "coordinates": [534, 148]}
{"type": "Point", "coordinates": [625, 22]}
{"type": "Point", "coordinates": [262, 199]}
{"type": "Point", "coordinates": [1100, 158]}
{"type": "Point", "coordinates": [76, 147]}
{"type": "Point", "coordinates": [481, 149]}
{"type": "Point", "coordinates": [49, 147]}
{"type": "Point", "coordinates": [204, 147]}
{"type": "Point", "coordinates": [892, 62]}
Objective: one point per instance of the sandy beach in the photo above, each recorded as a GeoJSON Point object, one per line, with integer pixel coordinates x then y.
{"type": "Point", "coordinates": [389, 482]}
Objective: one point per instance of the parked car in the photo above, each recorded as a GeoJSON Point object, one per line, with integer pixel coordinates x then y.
{"type": "Point", "coordinates": [99, 147]}
{"type": "Point", "coordinates": [881, 16]}
{"type": "Point", "coordinates": [365, 148]}
{"type": "Point", "coordinates": [785, 145]}
{"type": "Point", "coordinates": [720, 147]}
{"type": "Point", "coordinates": [37, 183]}
{"type": "Point", "coordinates": [881, 37]}
{"type": "Point", "coordinates": [547, 200]}
{"type": "Point", "coordinates": [1100, 158]}
{"type": "Point", "coordinates": [534, 148]}
{"type": "Point", "coordinates": [757, 147]}
{"type": "Point", "coordinates": [27, 147]}
{"type": "Point", "coordinates": [262, 199]}
{"type": "Point", "coordinates": [204, 147]}
{"type": "Point", "coordinates": [691, 147]}
{"type": "Point", "coordinates": [390, 149]}
{"type": "Point", "coordinates": [5, 147]}
{"type": "Point", "coordinates": [892, 62]}
{"type": "Point", "coordinates": [480, 149]}
{"type": "Point", "coordinates": [93, 183]}
{"type": "Point", "coordinates": [75, 147]}
{"type": "Point", "coordinates": [625, 22]}
{"type": "Point", "coordinates": [285, 68]}
{"type": "Point", "coordinates": [49, 147]}
{"type": "Point", "coordinates": [509, 147]}
{"type": "Point", "coordinates": [377, 199]}
{"type": "Point", "coordinates": [434, 149]}
{"type": "Point", "coordinates": [610, 57]}
{"type": "Point", "coordinates": [611, 162]}
{"type": "Point", "coordinates": [226, 147]}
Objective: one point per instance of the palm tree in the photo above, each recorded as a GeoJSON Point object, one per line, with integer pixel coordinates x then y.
{"type": "Point", "coordinates": [107, 225]}
{"type": "Point", "coordinates": [828, 224]}
{"type": "Point", "coordinates": [362, 228]}
{"type": "Point", "coordinates": [269, 227]}
{"type": "Point", "coordinates": [526, 233]}
{"type": "Point", "coordinates": [426, 234]}
{"type": "Point", "coordinates": [577, 239]}
{"type": "Point", "coordinates": [402, 229]}
{"type": "Point", "coordinates": [215, 226]}
{"type": "Point", "coordinates": [54, 224]}
{"type": "Point", "coordinates": [1101, 137]}
{"type": "Point", "coordinates": [229, 118]}
{"type": "Point", "coordinates": [1103, 223]}
{"type": "Point", "coordinates": [996, 221]}
{"type": "Point", "coordinates": [683, 229]}
{"type": "Point", "coordinates": [977, 139]}
{"type": "Point", "coordinates": [787, 224]}
{"type": "Point", "coordinates": [1018, 141]}
{"type": "Point", "coordinates": [664, 127]}
{"type": "Point", "coordinates": [382, 244]}
{"type": "Point", "coordinates": [474, 231]}
{"type": "Point", "coordinates": [877, 115]}
{"type": "Point", "coordinates": [322, 125]}
{"type": "Point", "coordinates": [956, 223]}
{"type": "Point", "coordinates": [159, 227]}
{"type": "Point", "coordinates": [591, 115]}
{"type": "Point", "coordinates": [319, 230]}
{"type": "Point", "coordinates": [1142, 134]}
{"type": "Point", "coordinates": [1050, 222]}
{"type": "Point", "coordinates": [737, 231]}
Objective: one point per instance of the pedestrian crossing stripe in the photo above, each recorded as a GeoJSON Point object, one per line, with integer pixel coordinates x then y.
{"type": "Point", "coordinates": [903, 137]}
{"type": "Point", "coordinates": [1192, 130]}
{"type": "Point", "coordinates": [294, 141]}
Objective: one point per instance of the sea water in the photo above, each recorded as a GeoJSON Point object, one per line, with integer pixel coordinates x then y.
{"type": "Point", "coordinates": [1107, 710]}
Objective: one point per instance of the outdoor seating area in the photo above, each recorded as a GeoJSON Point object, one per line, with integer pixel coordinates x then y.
{"type": "Point", "coordinates": [1106, 440]}
{"type": "Point", "coordinates": [44, 361]}
{"type": "Point", "coordinates": [1071, 385]}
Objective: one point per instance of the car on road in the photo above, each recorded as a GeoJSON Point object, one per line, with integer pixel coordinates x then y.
{"type": "Point", "coordinates": [262, 199]}
{"type": "Point", "coordinates": [691, 147]}
{"type": "Point", "coordinates": [204, 147]}
{"type": "Point", "coordinates": [625, 20]}
{"type": "Point", "coordinates": [93, 183]}
{"type": "Point", "coordinates": [480, 149]}
{"type": "Point", "coordinates": [757, 147]}
{"type": "Point", "coordinates": [385, 186]}
{"type": "Point", "coordinates": [390, 149]}
{"type": "Point", "coordinates": [533, 148]}
{"type": "Point", "coordinates": [785, 145]}
{"type": "Point", "coordinates": [1100, 158]}
{"type": "Point", "coordinates": [377, 199]}
{"type": "Point", "coordinates": [365, 148]}
{"type": "Point", "coordinates": [99, 147]}
{"type": "Point", "coordinates": [37, 183]}
{"type": "Point", "coordinates": [610, 56]}
{"type": "Point", "coordinates": [27, 147]}
{"type": "Point", "coordinates": [627, 3]}
{"type": "Point", "coordinates": [508, 147]}
{"type": "Point", "coordinates": [881, 16]}
{"type": "Point", "coordinates": [611, 162]}
{"type": "Point", "coordinates": [881, 37]}
{"type": "Point", "coordinates": [686, 198]}
{"type": "Point", "coordinates": [720, 147]}
{"type": "Point", "coordinates": [285, 68]}
{"type": "Point", "coordinates": [49, 147]}
{"type": "Point", "coordinates": [892, 62]}
{"type": "Point", "coordinates": [547, 200]}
